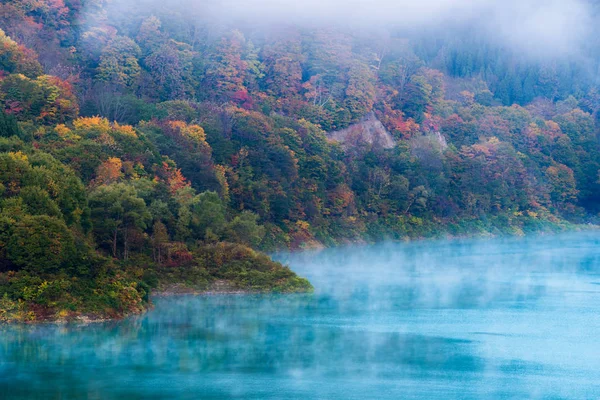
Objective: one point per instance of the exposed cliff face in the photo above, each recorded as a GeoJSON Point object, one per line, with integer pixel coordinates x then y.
{"type": "Point", "coordinates": [369, 130]}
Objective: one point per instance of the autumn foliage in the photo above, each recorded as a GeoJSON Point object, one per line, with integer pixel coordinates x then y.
{"type": "Point", "coordinates": [143, 148]}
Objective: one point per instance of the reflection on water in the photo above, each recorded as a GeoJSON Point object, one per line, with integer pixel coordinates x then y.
{"type": "Point", "coordinates": [503, 319]}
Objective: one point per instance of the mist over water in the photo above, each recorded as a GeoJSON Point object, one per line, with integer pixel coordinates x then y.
{"type": "Point", "coordinates": [494, 319]}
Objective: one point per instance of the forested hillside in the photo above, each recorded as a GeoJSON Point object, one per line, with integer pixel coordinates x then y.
{"type": "Point", "coordinates": [144, 145]}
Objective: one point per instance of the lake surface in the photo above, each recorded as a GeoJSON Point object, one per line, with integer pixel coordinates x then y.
{"type": "Point", "coordinates": [476, 319]}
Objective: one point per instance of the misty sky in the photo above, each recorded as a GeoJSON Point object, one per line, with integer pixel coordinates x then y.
{"type": "Point", "coordinates": [539, 26]}
{"type": "Point", "coordinates": [534, 27]}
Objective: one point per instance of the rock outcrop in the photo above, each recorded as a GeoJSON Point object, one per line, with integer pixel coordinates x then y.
{"type": "Point", "coordinates": [368, 131]}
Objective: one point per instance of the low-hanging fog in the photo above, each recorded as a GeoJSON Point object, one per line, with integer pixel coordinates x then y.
{"type": "Point", "coordinates": [531, 27]}
{"type": "Point", "coordinates": [469, 273]}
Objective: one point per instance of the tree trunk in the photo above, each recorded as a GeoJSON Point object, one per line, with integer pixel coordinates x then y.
{"type": "Point", "coordinates": [125, 244]}
{"type": "Point", "coordinates": [114, 243]}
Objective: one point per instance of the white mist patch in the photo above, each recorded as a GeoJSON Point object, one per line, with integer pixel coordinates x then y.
{"type": "Point", "coordinates": [534, 27]}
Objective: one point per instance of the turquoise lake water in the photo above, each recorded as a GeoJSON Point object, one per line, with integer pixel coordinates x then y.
{"type": "Point", "coordinates": [473, 319]}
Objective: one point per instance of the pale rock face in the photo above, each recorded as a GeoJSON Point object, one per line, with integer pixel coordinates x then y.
{"type": "Point", "coordinates": [368, 131]}
{"type": "Point", "coordinates": [429, 149]}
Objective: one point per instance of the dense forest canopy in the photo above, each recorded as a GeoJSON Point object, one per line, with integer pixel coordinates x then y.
{"type": "Point", "coordinates": [144, 142]}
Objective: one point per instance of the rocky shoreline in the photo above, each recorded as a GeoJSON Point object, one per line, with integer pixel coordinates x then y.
{"type": "Point", "coordinates": [217, 287]}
